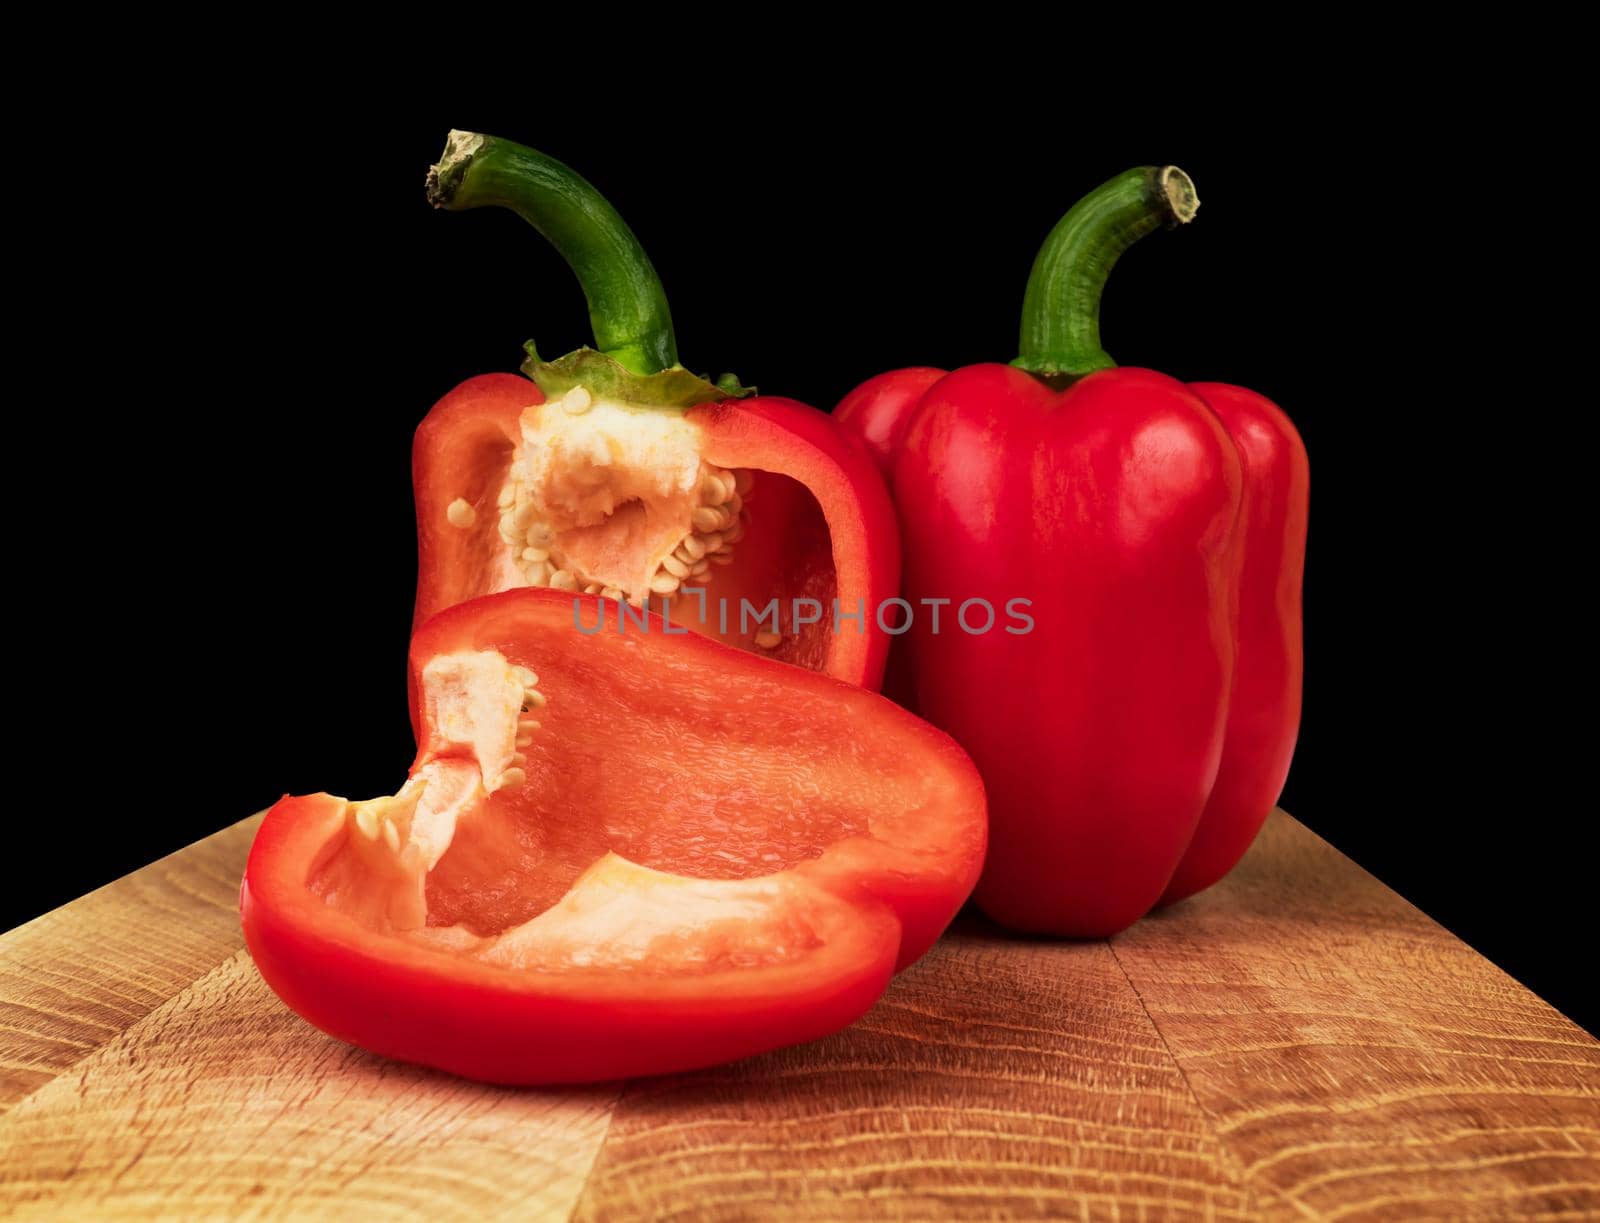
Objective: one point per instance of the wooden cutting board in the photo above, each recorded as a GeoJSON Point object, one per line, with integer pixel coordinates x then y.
{"type": "Point", "coordinates": [1298, 1043]}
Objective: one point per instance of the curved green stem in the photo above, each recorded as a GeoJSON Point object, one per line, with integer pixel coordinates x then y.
{"type": "Point", "coordinates": [627, 307]}
{"type": "Point", "coordinates": [1061, 309]}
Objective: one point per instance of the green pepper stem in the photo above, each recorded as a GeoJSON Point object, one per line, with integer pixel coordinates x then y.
{"type": "Point", "coordinates": [1061, 309]}
{"type": "Point", "coordinates": [627, 306]}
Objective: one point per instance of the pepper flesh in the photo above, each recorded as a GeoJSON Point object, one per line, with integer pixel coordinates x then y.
{"type": "Point", "coordinates": [1158, 531]}
{"type": "Point", "coordinates": [695, 855]}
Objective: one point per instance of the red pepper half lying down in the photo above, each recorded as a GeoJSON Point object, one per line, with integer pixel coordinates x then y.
{"type": "Point", "coordinates": [1158, 532]}
{"type": "Point", "coordinates": [617, 854]}
{"type": "Point", "coordinates": [621, 473]}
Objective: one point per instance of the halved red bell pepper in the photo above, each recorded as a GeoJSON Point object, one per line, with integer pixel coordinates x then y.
{"type": "Point", "coordinates": [618, 472]}
{"type": "Point", "coordinates": [618, 853]}
{"type": "Point", "coordinates": [1135, 739]}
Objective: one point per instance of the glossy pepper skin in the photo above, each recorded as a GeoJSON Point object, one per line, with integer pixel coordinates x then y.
{"type": "Point", "coordinates": [826, 528]}
{"type": "Point", "coordinates": [707, 854]}
{"type": "Point", "coordinates": [879, 411]}
{"type": "Point", "coordinates": [1135, 740]}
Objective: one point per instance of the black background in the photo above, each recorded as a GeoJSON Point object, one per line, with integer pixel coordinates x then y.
{"type": "Point", "coordinates": [259, 307]}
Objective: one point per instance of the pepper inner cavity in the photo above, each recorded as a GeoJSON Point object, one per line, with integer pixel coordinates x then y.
{"type": "Point", "coordinates": [483, 711]}
{"type": "Point", "coordinates": [615, 500]}
{"type": "Point", "coordinates": [600, 910]}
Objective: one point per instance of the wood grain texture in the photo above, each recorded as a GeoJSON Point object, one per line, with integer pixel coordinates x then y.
{"type": "Point", "coordinates": [78, 976]}
{"type": "Point", "coordinates": [1359, 1060]}
{"type": "Point", "coordinates": [224, 1105]}
{"type": "Point", "coordinates": [1299, 1043]}
{"type": "Point", "coordinates": [995, 1078]}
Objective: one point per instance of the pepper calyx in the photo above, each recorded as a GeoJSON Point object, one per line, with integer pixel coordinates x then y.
{"type": "Point", "coordinates": [605, 377]}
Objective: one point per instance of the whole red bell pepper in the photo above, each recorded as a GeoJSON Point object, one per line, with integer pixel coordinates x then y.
{"type": "Point", "coordinates": [1135, 739]}
{"type": "Point", "coordinates": [618, 853]}
{"type": "Point", "coordinates": [616, 471]}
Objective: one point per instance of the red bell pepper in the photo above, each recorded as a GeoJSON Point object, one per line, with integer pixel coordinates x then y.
{"type": "Point", "coordinates": [656, 853]}
{"type": "Point", "coordinates": [1133, 742]}
{"type": "Point", "coordinates": [618, 472]}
